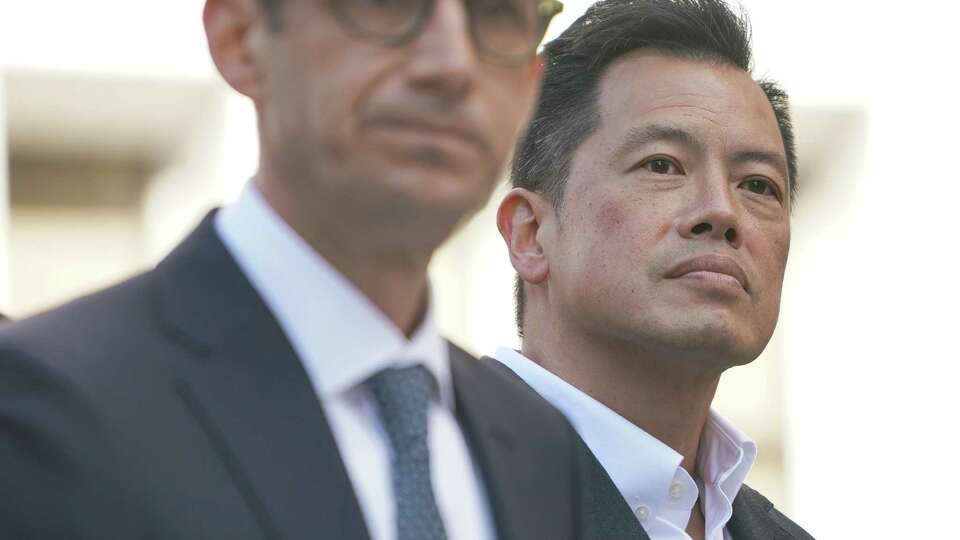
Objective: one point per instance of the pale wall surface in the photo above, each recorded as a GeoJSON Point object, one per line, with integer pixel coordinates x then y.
{"type": "Point", "coordinates": [872, 366]}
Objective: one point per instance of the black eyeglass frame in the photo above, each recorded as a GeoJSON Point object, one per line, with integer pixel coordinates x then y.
{"type": "Point", "coordinates": [546, 11]}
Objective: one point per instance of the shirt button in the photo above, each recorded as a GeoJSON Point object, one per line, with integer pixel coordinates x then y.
{"type": "Point", "coordinates": [642, 512]}
{"type": "Point", "coordinates": [676, 490]}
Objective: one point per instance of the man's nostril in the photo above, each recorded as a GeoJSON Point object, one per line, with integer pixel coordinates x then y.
{"type": "Point", "coordinates": [701, 228]}
{"type": "Point", "coordinates": [731, 235]}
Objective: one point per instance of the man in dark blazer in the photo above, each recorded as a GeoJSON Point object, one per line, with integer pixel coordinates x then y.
{"type": "Point", "coordinates": [649, 227]}
{"type": "Point", "coordinates": [280, 374]}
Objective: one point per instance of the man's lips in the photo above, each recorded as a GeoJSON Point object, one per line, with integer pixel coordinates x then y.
{"type": "Point", "coordinates": [716, 268]}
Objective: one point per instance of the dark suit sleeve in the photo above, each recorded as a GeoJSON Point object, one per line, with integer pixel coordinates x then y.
{"type": "Point", "coordinates": [56, 478]}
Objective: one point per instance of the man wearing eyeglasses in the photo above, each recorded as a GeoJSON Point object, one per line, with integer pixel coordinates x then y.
{"type": "Point", "coordinates": [280, 375]}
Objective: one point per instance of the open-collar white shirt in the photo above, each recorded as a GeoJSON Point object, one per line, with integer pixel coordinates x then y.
{"type": "Point", "coordinates": [342, 339]}
{"type": "Point", "coordinates": [646, 471]}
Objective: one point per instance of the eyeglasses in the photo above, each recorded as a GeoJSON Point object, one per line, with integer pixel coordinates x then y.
{"type": "Point", "coordinates": [505, 31]}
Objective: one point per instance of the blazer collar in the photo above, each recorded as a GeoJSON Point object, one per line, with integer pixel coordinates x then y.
{"type": "Point", "coordinates": [755, 517]}
{"type": "Point", "coordinates": [201, 295]}
{"type": "Point", "coordinates": [249, 392]}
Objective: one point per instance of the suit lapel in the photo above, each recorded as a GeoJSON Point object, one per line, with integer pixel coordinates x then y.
{"type": "Point", "coordinates": [606, 512]}
{"type": "Point", "coordinates": [248, 390]}
{"type": "Point", "coordinates": [755, 518]}
{"type": "Point", "coordinates": [528, 498]}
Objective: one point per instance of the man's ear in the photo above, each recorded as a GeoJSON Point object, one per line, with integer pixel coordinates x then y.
{"type": "Point", "coordinates": [520, 218]}
{"type": "Point", "coordinates": [233, 30]}
{"type": "Point", "coordinates": [534, 74]}
{"type": "Point", "coordinates": [535, 69]}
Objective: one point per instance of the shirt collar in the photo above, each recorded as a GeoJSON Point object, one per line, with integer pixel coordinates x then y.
{"type": "Point", "coordinates": [341, 337]}
{"type": "Point", "coordinates": [645, 471]}
{"type": "Point", "coordinates": [642, 467]}
{"type": "Point", "coordinates": [726, 456]}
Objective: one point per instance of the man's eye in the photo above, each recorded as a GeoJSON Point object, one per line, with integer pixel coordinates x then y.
{"type": "Point", "coordinates": [759, 186]}
{"type": "Point", "coordinates": [661, 166]}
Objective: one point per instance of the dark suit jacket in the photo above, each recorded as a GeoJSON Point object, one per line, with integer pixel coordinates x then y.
{"type": "Point", "coordinates": [172, 406]}
{"type": "Point", "coordinates": [606, 514]}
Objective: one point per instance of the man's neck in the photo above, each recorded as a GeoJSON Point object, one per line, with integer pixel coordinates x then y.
{"type": "Point", "coordinates": [397, 287]}
{"type": "Point", "coordinates": [666, 398]}
{"type": "Point", "coordinates": [392, 275]}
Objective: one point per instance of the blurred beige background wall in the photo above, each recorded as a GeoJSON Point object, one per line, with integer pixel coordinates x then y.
{"type": "Point", "coordinates": [118, 137]}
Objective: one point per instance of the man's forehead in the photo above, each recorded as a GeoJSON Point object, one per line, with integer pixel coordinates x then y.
{"type": "Point", "coordinates": [698, 97]}
{"type": "Point", "coordinates": [653, 79]}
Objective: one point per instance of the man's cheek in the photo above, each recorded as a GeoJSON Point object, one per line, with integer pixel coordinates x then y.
{"type": "Point", "coordinates": [610, 219]}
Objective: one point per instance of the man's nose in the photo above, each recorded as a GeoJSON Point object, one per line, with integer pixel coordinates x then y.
{"type": "Point", "coordinates": [444, 58]}
{"type": "Point", "coordinates": [713, 214]}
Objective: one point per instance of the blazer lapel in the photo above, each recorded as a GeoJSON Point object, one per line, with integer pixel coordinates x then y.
{"type": "Point", "coordinates": [606, 513]}
{"type": "Point", "coordinates": [248, 390]}
{"type": "Point", "coordinates": [755, 518]}
{"type": "Point", "coordinates": [528, 498]}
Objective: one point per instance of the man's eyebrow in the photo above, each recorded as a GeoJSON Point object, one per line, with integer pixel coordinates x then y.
{"type": "Point", "coordinates": [774, 159]}
{"type": "Point", "coordinates": [637, 137]}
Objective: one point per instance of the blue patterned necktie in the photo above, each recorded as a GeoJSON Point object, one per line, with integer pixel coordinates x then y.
{"type": "Point", "coordinates": [402, 396]}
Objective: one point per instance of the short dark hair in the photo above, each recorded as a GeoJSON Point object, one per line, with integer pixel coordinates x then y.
{"type": "Point", "coordinates": [575, 62]}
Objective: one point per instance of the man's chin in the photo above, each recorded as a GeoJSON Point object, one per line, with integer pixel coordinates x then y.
{"type": "Point", "coordinates": [437, 188]}
{"type": "Point", "coordinates": [715, 340]}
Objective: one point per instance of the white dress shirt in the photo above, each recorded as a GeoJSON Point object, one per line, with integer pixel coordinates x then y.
{"type": "Point", "coordinates": [342, 339]}
{"type": "Point", "coordinates": [647, 472]}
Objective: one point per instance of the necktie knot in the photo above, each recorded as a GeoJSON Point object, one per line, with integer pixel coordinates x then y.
{"type": "Point", "coordinates": [403, 395]}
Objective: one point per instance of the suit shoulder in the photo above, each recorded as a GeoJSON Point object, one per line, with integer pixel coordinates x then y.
{"type": "Point", "coordinates": [68, 336]}
{"type": "Point", "coordinates": [61, 477]}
